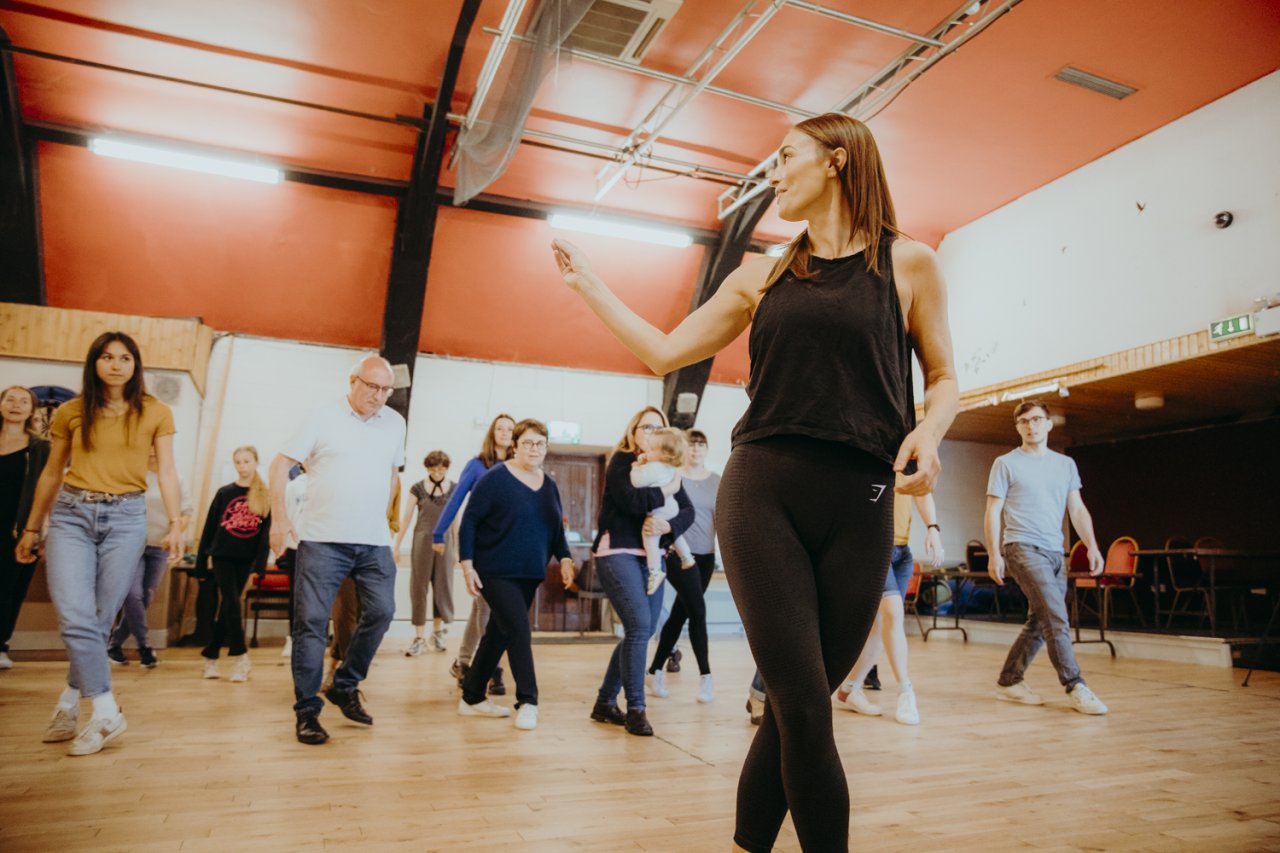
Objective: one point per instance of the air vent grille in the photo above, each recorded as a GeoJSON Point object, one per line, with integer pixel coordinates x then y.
{"type": "Point", "coordinates": [1094, 83]}
{"type": "Point", "coordinates": [622, 29]}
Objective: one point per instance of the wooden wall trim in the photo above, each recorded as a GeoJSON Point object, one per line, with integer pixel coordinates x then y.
{"type": "Point", "coordinates": [64, 334]}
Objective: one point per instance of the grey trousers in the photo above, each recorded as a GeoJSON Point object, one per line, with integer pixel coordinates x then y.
{"type": "Point", "coordinates": [435, 572]}
{"type": "Point", "coordinates": [1041, 574]}
{"type": "Point", "coordinates": [476, 625]}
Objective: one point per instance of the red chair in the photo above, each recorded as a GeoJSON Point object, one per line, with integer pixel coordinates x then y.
{"type": "Point", "coordinates": [1119, 572]}
{"type": "Point", "coordinates": [269, 591]}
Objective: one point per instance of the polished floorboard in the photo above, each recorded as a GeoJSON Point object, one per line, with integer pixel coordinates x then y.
{"type": "Point", "coordinates": [1188, 760]}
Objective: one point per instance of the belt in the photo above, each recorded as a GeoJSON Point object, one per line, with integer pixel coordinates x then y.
{"type": "Point", "coordinates": [98, 497]}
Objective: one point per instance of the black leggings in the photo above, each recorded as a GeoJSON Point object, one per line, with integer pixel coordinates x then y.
{"type": "Point", "coordinates": [806, 533]}
{"type": "Point", "coordinates": [15, 578]}
{"type": "Point", "coordinates": [228, 628]}
{"type": "Point", "coordinates": [508, 631]}
{"type": "Point", "coordinates": [689, 585]}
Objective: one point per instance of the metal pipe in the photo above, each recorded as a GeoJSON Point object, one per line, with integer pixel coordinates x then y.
{"type": "Point", "coordinates": [863, 22]}
{"type": "Point", "coordinates": [497, 51]}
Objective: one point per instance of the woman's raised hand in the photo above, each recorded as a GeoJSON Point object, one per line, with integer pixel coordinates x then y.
{"type": "Point", "coordinates": [574, 266]}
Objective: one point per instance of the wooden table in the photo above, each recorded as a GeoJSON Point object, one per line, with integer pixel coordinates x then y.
{"type": "Point", "coordinates": [1208, 558]}
{"type": "Point", "coordinates": [941, 576]}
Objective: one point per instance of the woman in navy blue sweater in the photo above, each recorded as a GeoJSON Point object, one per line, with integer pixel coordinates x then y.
{"type": "Point", "coordinates": [512, 527]}
{"type": "Point", "coordinates": [620, 565]}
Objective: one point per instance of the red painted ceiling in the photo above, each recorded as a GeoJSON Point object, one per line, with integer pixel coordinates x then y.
{"type": "Point", "coordinates": [977, 130]}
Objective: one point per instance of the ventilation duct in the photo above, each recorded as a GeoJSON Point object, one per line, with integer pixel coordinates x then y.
{"type": "Point", "coordinates": [622, 29]}
{"type": "Point", "coordinates": [1094, 83]}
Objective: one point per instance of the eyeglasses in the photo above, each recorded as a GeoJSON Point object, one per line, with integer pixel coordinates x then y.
{"type": "Point", "coordinates": [697, 443]}
{"type": "Point", "coordinates": [1034, 420]}
{"type": "Point", "coordinates": [530, 444]}
{"type": "Point", "coordinates": [647, 427]}
{"type": "Point", "coordinates": [377, 389]}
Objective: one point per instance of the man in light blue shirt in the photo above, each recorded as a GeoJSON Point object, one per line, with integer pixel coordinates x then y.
{"type": "Point", "coordinates": [1028, 491]}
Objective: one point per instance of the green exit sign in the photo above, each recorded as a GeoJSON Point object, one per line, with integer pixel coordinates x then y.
{"type": "Point", "coordinates": [1231, 327]}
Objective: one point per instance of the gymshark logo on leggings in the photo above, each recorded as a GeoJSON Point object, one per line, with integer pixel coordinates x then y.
{"type": "Point", "coordinates": [879, 490]}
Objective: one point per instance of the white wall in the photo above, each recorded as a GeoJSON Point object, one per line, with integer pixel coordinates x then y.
{"type": "Point", "coordinates": [1073, 270]}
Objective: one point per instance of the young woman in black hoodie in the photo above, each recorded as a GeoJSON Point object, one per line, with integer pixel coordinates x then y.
{"type": "Point", "coordinates": [236, 534]}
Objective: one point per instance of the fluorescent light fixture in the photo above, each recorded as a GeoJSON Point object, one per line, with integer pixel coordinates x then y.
{"type": "Point", "coordinates": [1054, 387]}
{"type": "Point", "coordinates": [617, 228]}
{"type": "Point", "coordinates": [176, 159]}
{"type": "Point", "coordinates": [1147, 401]}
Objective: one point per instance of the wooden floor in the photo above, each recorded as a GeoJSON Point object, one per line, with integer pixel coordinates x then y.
{"type": "Point", "coordinates": [1187, 760]}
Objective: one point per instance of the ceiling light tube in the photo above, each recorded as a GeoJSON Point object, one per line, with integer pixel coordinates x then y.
{"type": "Point", "coordinates": [1054, 387]}
{"type": "Point", "coordinates": [177, 159]}
{"type": "Point", "coordinates": [617, 228]}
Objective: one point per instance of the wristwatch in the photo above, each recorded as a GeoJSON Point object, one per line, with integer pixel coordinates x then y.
{"type": "Point", "coordinates": [934, 527]}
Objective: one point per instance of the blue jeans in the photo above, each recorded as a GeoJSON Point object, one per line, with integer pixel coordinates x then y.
{"type": "Point", "coordinates": [901, 565]}
{"type": "Point", "coordinates": [1042, 576]}
{"type": "Point", "coordinates": [625, 578]}
{"type": "Point", "coordinates": [321, 569]}
{"type": "Point", "coordinates": [91, 559]}
{"type": "Point", "coordinates": [133, 618]}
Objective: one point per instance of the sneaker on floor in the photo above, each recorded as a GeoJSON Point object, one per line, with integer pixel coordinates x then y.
{"type": "Point", "coordinates": [872, 681]}
{"type": "Point", "coordinates": [755, 707]}
{"type": "Point", "coordinates": [115, 654]}
{"type": "Point", "coordinates": [1019, 692]}
{"type": "Point", "coordinates": [211, 669]}
{"type": "Point", "coordinates": [655, 581]}
{"type": "Point", "coordinates": [1083, 700]}
{"type": "Point", "coordinates": [6, 662]}
{"type": "Point", "coordinates": [527, 717]}
{"type": "Point", "coordinates": [100, 732]}
{"type": "Point", "coordinates": [287, 651]}
{"type": "Point", "coordinates": [657, 684]}
{"type": "Point", "coordinates": [417, 647]}
{"type": "Point", "coordinates": [856, 700]}
{"type": "Point", "coordinates": [706, 690]}
{"type": "Point", "coordinates": [240, 672]}
{"type": "Point", "coordinates": [438, 641]}
{"type": "Point", "coordinates": [908, 714]}
{"type": "Point", "coordinates": [147, 657]}
{"type": "Point", "coordinates": [62, 726]}
{"type": "Point", "coordinates": [673, 662]}
{"type": "Point", "coordinates": [482, 709]}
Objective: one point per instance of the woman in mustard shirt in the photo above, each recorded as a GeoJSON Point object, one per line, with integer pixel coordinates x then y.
{"type": "Point", "coordinates": [98, 524]}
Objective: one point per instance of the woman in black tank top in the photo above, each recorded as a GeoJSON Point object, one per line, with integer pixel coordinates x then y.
{"type": "Point", "coordinates": [806, 501]}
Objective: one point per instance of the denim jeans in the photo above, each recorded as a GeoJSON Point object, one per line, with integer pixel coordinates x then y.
{"type": "Point", "coordinates": [1042, 577]}
{"type": "Point", "coordinates": [133, 618]}
{"type": "Point", "coordinates": [625, 578]}
{"type": "Point", "coordinates": [901, 566]}
{"type": "Point", "coordinates": [91, 559]}
{"type": "Point", "coordinates": [321, 569]}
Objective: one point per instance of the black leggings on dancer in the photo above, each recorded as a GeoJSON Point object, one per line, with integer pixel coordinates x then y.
{"type": "Point", "coordinates": [689, 584]}
{"type": "Point", "coordinates": [807, 530]}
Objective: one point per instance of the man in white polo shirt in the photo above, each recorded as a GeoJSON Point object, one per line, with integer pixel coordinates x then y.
{"type": "Point", "coordinates": [353, 448]}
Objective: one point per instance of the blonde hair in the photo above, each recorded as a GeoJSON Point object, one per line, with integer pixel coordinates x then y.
{"type": "Point", "coordinates": [668, 445]}
{"type": "Point", "coordinates": [627, 444]}
{"type": "Point", "coordinates": [863, 188]}
{"type": "Point", "coordinates": [259, 498]}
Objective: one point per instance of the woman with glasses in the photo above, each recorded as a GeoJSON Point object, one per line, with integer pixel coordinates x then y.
{"type": "Point", "coordinates": [621, 567]}
{"type": "Point", "coordinates": [497, 447]}
{"type": "Point", "coordinates": [702, 485]}
{"type": "Point", "coordinates": [807, 497]}
{"type": "Point", "coordinates": [512, 527]}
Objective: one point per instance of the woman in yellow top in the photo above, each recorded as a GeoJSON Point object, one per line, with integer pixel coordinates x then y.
{"type": "Point", "coordinates": [98, 524]}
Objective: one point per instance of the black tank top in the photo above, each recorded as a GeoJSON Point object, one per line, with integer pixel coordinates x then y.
{"type": "Point", "coordinates": [831, 359]}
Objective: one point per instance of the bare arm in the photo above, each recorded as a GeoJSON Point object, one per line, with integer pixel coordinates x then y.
{"type": "Point", "coordinates": [915, 267]}
{"type": "Point", "coordinates": [171, 494]}
{"type": "Point", "coordinates": [700, 335]}
{"type": "Point", "coordinates": [46, 490]}
{"type": "Point", "coordinates": [932, 538]}
{"type": "Point", "coordinates": [410, 510]}
{"type": "Point", "coordinates": [991, 523]}
{"type": "Point", "coordinates": [282, 530]}
{"type": "Point", "coordinates": [1083, 523]}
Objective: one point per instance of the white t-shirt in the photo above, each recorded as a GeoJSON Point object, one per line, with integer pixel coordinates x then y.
{"type": "Point", "coordinates": [295, 498]}
{"type": "Point", "coordinates": [349, 466]}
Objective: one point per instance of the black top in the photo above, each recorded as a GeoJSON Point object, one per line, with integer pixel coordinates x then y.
{"type": "Point", "coordinates": [510, 530]}
{"type": "Point", "coordinates": [233, 531]}
{"type": "Point", "coordinates": [13, 469]}
{"type": "Point", "coordinates": [34, 457]}
{"type": "Point", "coordinates": [623, 507]}
{"type": "Point", "coordinates": [831, 359]}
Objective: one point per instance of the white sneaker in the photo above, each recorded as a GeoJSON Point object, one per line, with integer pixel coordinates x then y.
{"type": "Point", "coordinates": [6, 662]}
{"type": "Point", "coordinates": [240, 672]}
{"type": "Point", "coordinates": [657, 684]}
{"type": "Point", "coordinates": [1019, 692]}
{"type": "Point", "coordinates": [211, 669]}
{"type": "Point", "coordinates": [482, 709]}
{"type": "Point", "coordinates": [856, 700]}
{"type": "Point", "coordinates": [1083, 700]}
{"type": "Point", "coordinates": [655, 581]}
{"type": "Point", "coordinates": [417, 647]}
{"type": "Point", "coordinates": [287, 651]}
{"type": "Point", "coordinates": [438, 641]}
{"type": "Point", "coordinates": [62, 726]}
{"type": "Point", "coordinates": [100, 732]}
{"type": "Point", "coordinates": [527, 717]}
{"type": "Point", "coordinates": [707, 690]}
{"type": "Point", "coordinates": [908, 714]}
